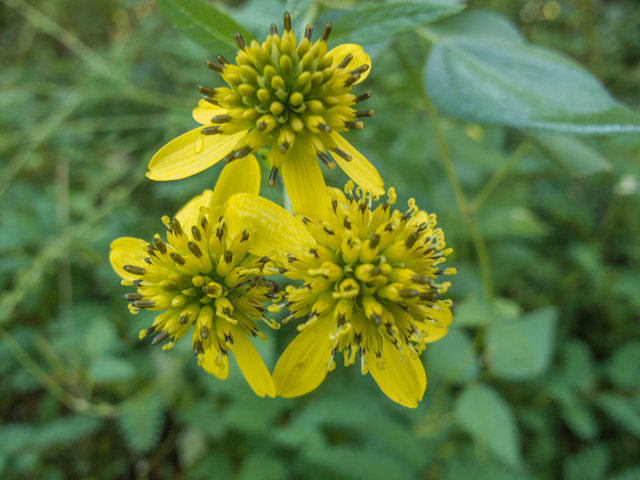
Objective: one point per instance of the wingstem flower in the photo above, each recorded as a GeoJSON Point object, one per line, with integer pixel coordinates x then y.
{"type": "Point", "coordinates": [291, 97]}
{"type": "Point", "coordinates": [370, 288]}
{"type": "Point", "coordinates": [203, 276]}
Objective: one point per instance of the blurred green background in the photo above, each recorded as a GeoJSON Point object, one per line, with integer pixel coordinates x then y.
{"type": "Point", "coordinates": [539, 378]}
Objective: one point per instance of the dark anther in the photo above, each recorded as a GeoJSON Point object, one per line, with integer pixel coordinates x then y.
{"type": "Point", "coordinates": [150, 330]}
{"type": "Point", "coordinates": [214, 290]}
{"type": "Point", "coordinates": [342, 154]}
{"type": "Point", "coordinates": [375, 271]}
{"type": "Point", "coordinates": [228, 256]}
{"type": "Point", "coordinates": [177, 258]}
{"type": "Point", "coordinates": [308, 31]}
{"type": "Point", "coordinates": [144, 304]}
{"type": "Point", "coordinates": [363, 97]}
{"type": "Point", "coordinates": [334, 204]}
{"type": "Point", "coordinates": [363, 207]}
{"type": "Point", "coordinates": [149, 261]}
{"type": "Point", "coordinates": [419, 279]}
{"type": "Point", "coordinates": [136, 283]}
{"type": "Point", "coordinates": [222, 60]}
{"type": "Point", "coordinates": [221, 118]}
{"type": "Point", "coordinates": [364, 113]}
{"type": "Point", "coordinates": [219, 233]}
{"type": "Point", "coordinates": [240, 41]}
{"type": "Point", "coordinates": [346, 61]}
{"type": "Point", "coordinates": [375, 318]}
{"type": "Point", "coordinates": [411, 239]}
{"type": "Point", "coordinates": [326, 159]}
{"type": "Point", "coordinates": [184, 319]}
{"type": "Point", "coordinates": [151, 250]}
{"type": "Point", "coordinates": [351, 80]}
{"type": "Point", "coordinates": [405, 217]}
{"type": "Point", "coordinates": [264, 260]}
{"type": "Point", "coordinates": [389, 227]}
{"type": "Point", "coordinates": [439, 272]}
{"type": "Point", "coordinates": [214, 66]}
{"type": "Point", "coordinates": [211, 100]}
{"type": "Point", "coordinates": [374, 240]}
{"type": "Point", "coordinates": [132, 269]}
{"type": "Point", "coordinates": [291, 258]}
{"type": "Point", "coordinates": [243, 152]}
{"type": "Point", "coordinates": [328, 230]}
{"type": "Point", "coordinates": [324, 128]}
{"type": "Point", "coordinates": [282, 270]}
{"type": "Point", "coordinates": [326, 32]}
{"type": "Point", "coordinates": [204, 332]}
{"type": "Point", "coordinates": [355, 125]}
{"type": "Point", "coordinates": [407, 293]}
{"type": "Point", "coordinates": [429, 296]}
{"type": "Point", "coordinates": [261, 126]}
{"type": "Point", "coordinates": [203, 89]}
{"type": "Point", "coordinates": [197, 348]}
{"type": "Point", "coordinates": [176, 228]}
{"type": "Point", "coordinates": [273, 30]}
{"type": "Point", "coordinates": [245, 236]}
{"type": "Point", "coordinates": [287, 22]}
{"type": "Point", "coordinates": [347, 223]}
{"type": "Point", "coordinates": [160, 337]}
{"type": "Point", "coordinates": [273, 176]}
{"type": "Point", "coordinates": [313, 252]}
{"type": "Point", "coordinates": [229, 158]}
{"type": "Point", "coordinates": [284, 147]}
{"type": "Point", "coordinates": [215, 130]}
{"type": "Point", "coordinates": [422, 227]}
{"type": "Point", "coordinates": [130, 297]}
{"type": "Point", "coordinates": [195, 231]}
{"type": "Point", "coordinates": [204, 222]}
{"type": "Point", "coordinates": [361, 69]}
{"type": "Point", "coordinates": [341, 319]}
{"type": "Point", "coordinates": [195, 249]}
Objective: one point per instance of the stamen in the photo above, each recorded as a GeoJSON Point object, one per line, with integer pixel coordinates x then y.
{"type": "Point", "coordinates": [176, 228]}
{"type": "Point", "coordinates": [240, 41]}
{"type": "Point", "coordinates": [361, 69]}
{"type": "Point", "coordinates": [374, 240]}
{"type": "Point", "coordinates": [363, 97]}
{"type": "Point", "coordinates": [204, 332]}
{"type": "Point", "coordinates": [215, 130]}
{"type": "Point", "coordinates": [177, 258]}
{"type": "Point", "coordinates": [342, 154]}
{"type": "Point", "coordinates": [149, 261]}
{"type": "Point", "coordinates": [328, 161]}
{"type": "Point", "coordinates": [284, 147]}
{"type": "Point", "coordinates": [375, 318]}
{"type": "Point", "coordinates": [411, 239]}
{"type": "Point", "coordinates": [353, 124]}
{"type": "Point", "coordinates": [184, 319]}
{"type": "Point", "coordinates": [273, 30]}
{"type": "Point", "coordinates": [160, 245]}
{"type": "Point", "coordinates": [144, 304]}
{"type": "Point", "coordinates": [214, 66]}
{"type": "Point", "coordinates": [228, 256]}
{"type": "Point", "coordinates": [211, 100]}
{"type": "Point", "coordinates": [429, 296]}
{"type": "Point", "coordinates": [160, 337]}
{"type": "Point", "coordinates": [195, 231]}
{"type": "Point", "coordinates": [197, 348]}
{"type": "Point", "coordinates": [243, 152]}
{"type": "Point", "coordinates": [222, 60]}
{"type": "Point", "coordinates": [262, 126]}
{"type": "Point", "coordinates": [326, 32]}
{"type": "Point", "coordinates": [346, 61]}
{"type": "Point", "coordinates": [287, 22]}
{"type": "Point", "coordinates": [245, 236]}
{"type": "Point", "coordinates": [130, 297]}
{"type": "Point", "coordinates": [408, 293]}
{"type": "Point", "coordinates": [351, 80]}
{"type": "Point", "coordinates": [203, 89]}
{"type": "Point", "coordinates": [195, 249]}
{"type": "Point", "coordinates": [364, 113]}
{"type": "Point", "coordinates": [221, 118]}
{"type": "Point", "coordinates": [132, 269]}
{"type": "Point", "coordinates": [324, 128]}
{"type": "Point", "coordinates": [273, 176]}
{"type": "Point", "coordinates": [308, 32]}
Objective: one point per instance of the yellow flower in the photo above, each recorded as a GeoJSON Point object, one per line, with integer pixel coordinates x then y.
{"type": "Point", "coordinates": [369, 288]}
{"type": "Point", "coordinates": [204, 276]}
{"type": "Point", "coordinates": [292, 97]}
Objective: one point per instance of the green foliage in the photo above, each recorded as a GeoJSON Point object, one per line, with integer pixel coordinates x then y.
{"type": "Point", "coordinates": [539, 375]}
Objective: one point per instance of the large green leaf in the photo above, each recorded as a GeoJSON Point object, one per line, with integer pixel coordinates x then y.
{"type": "Point", "coordinates": [484, 415]}
{"type": "Point", "coordinates": [573, 155]}
{"type": "Point", "coordinates": [453, 356]}
{"type": "Point", "coordinates": [622, 410]}
{"type": "Point", "coordinates": [590, 463]}
{"type": "Point", "coordinates": [624, 367]}
{"type": "Point", "coordinates": [202, 23]}
{"type": "Point", "coordinates": [379, 22]}
{"type": "Point", "coordinates": [481, 71]}
{"type": "Point", "coordinates": [296, 7]}
{"type": "Point", "coordinates": [522, 349]}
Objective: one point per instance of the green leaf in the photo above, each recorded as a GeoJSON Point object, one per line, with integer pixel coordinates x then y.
{"type": "Point", "coordinates": [522, 349]}
{"type": "Point", "coordinates": [589, 464]}
{"type": "Point", "coordinates": [511, 222]}
{"type": "Point", "coordinates": [624, 367]}
{"type": "Point", "coordinates": [453, 355]}
{"type": "Point", "coordinates": [262, 467]}
{"type": "Point", "coordinates": [296, 7]}
{"type": "Point", "coordinates": [577, 364]}
{"type": "Point", "coordinates": [141, 422]}
{"type": "Point", "coordinates": [622, 410]}
{"type": "Point", "coordinates": [483, 414]}
{"type": "Point", "coordinates": [474, 313]}
{"type": "Point", "coordinates": [632, 473]}
{"type": "Point", "coordinates": [379, 22]}
{"type": "Point", "coordinates": [579, 418]}
{"type": "Point", "coordinates": [111, 369]}
{"type": "Point", "coordinates": [492, 77]}
{"type": "Point", "coordinates": [573, 155]}
{"type": "Point", "coordinates": [202, 23]}
{"type": "Point", "coordinates": [475, 24]}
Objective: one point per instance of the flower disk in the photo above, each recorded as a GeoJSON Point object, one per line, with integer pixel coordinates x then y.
{"type": "Point", "coordinates": [369, 288]}
{"type": "Point", "coordinates": [202, 278]}
{"type": "Point", "coordinates": [282, 92]}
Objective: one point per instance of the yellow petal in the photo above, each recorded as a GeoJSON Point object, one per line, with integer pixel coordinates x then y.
{"type": "Point", "coordinates": [204, 112]}
{"type": "Point", "coordinates": [240, 176]}
{"type": "Point", "coordinates": [305, 184]}
{"type": "Point", "coordinates": [190, 154]}
{"type": "Point", "coordinates": [359, 57]}
{"type": "Point", "coordinates": [358, 169]}
{"type": "Point", "coordinates": [303, 365]}
{"type": "Point", "coordinates": [271, 226]}
{"type": "Point", "coordinates": [188, 215]}
{"type": "Point", "coordinates": [252, 366]}
{"type": "Point", "coordinates": [403, 382]}
{"type": "Point", "coordinates": [126, 251]}
{"type": "Point", "coordinates": [209, 364]}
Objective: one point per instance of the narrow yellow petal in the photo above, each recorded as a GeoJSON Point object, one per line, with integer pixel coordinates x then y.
{"type": "Point", "coordinates": [271, 226]}
{"type": "Point", "coordinates": [126, 251]}
{"type": "Point", "coordinates": [240, 176]}
{"type": "Point", "coordinates": [204, 112]}
{"type": "Point", "coordinates": [403, 382]}
{"type": "Point", "coordinates": [305, 185]}
{"type": "Point", "coordinates": [358, 169]}
{"type": "Point", "coordinates": [303, 365]}
{"type": "Point", "coordinates": [188, 215]}
{"type": "Point", "coordinates": [209, 364]}
{"type": "Point", "coordinates": [252, 366]}
{"type": "Point", "coordinates": [359, 57]}
{"type": "Point", "coordinates": [189, 154]}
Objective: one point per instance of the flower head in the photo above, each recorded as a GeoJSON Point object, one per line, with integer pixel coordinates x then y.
{"type": "Point", "coordinates": [202, 278]}
{"type": "Point", "coordinates": [370, 288]}
{"type": "Point", "coordinates": [292, 97]}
